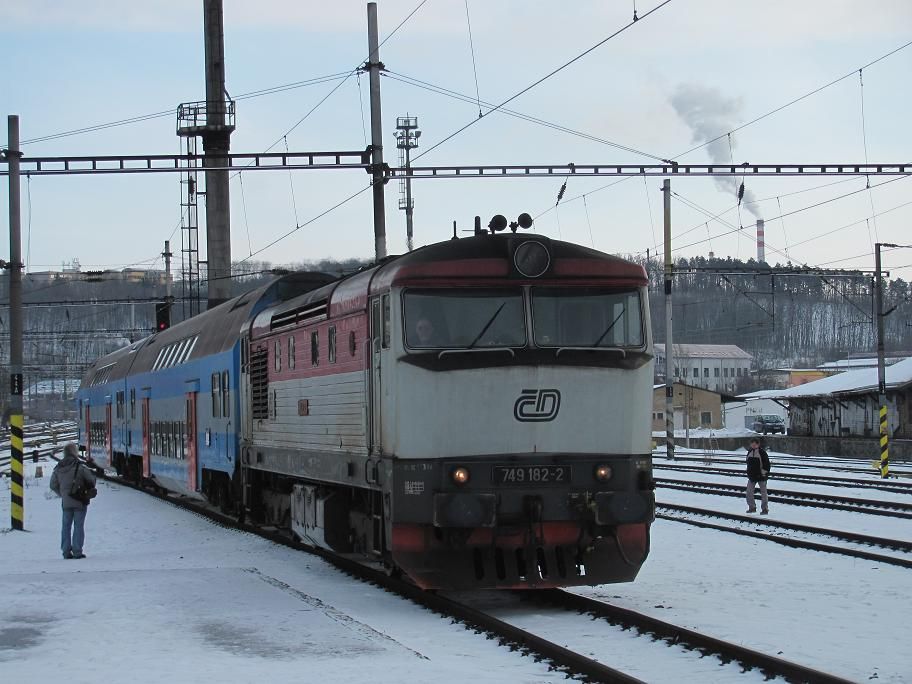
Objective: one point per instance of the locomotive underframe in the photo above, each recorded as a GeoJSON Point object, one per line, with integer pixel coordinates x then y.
{"type": "Point", "coordinates": [410, 515]}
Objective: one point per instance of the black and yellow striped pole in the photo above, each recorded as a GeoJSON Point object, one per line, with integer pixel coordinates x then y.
{"type": "Point", "coordinates": [884, 440]}
{"type": "Point", "coordinates": [881, 372]}
{"type": "Point", "coordinates": [17, 492]}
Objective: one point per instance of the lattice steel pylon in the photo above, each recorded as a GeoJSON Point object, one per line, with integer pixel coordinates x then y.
{"type": "Point", "coordinates": [407, 135]}
{"type": "Point", "coordinates": [190, 270]}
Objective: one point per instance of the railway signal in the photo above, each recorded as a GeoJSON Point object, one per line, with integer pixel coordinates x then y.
{"type": "Point", "coordinates": [162, 316]}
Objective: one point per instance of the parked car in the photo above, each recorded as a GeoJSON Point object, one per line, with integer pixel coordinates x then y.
{"type": "Point", "coordinates": [766, 424]}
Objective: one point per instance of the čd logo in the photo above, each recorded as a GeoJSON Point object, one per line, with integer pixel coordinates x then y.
{"type": "Point", "coordinates": [537, 406]}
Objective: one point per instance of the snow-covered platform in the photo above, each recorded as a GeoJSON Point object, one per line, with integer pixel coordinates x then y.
{"type": "Point", "coordinates": [167, 596]}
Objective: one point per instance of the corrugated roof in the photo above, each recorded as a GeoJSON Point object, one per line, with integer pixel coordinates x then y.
{"type": "Point", "coordinates": [705, 351]}
{"type": "Point", "coordinates": [850, 382]}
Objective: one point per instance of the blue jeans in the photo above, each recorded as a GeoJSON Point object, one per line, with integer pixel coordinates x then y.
{"type": "Point", "coordinates": [75, 518]}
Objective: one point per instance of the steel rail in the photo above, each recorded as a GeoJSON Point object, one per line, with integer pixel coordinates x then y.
{"type": "Point", "coordinates": [897, 544]}
{"type": "Point", "coordinates": [771, 666]}
{"type": "Point", "coordinates": [824, 480]}
{"type": "Point", "coordinates": [834, 502]}
{"type": "Point", "coordinates": [797, 463]}
{"type": "Point", "coordinates": [795, 543]}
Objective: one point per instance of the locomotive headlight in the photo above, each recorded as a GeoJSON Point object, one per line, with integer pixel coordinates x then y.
{"type": "Point", "coordinates": [531, 259]}
{"type": "Point", "coordinates": [603, 473]}
{"type": "Point", "coordinates": [460, 475]}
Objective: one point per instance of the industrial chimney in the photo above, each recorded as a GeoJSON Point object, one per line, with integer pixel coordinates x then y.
{"type": "Point", "coordinates": [761, 242]}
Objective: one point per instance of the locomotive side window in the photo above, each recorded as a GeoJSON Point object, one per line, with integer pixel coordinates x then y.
{"type": "Point", "coordinates": [277, 356]}
{"type": "Point", "coordinates": [331, 341]}
{"type": "Point", "coordinates": [586, 317]}
{"type": "Point", "coordinates": [460, 319]}
{"type": "Point", "coordinates": [315, 348]}
{"type": "Point", "coordinates": [291, 353]}
{"type": "Point", "coordinates": [386, 321]}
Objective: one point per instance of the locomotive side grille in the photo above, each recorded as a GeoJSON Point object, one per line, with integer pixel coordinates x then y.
{"type": "Point", "coordinates": [259, 384]}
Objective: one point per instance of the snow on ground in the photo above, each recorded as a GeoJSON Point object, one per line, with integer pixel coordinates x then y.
{"type": "Point", "coordinates": [168, 596]}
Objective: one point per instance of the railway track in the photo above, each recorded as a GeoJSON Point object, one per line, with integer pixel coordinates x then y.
{"type": "Point", "coordinates": [666, 633]}
{"type": "Point", "coordinates": [528, 642]}
{"type": "Point", "coordinates": [898, 470]}
{"type": "Point", "coordinates": [894, 509]}
{"type": "Point", "coordinates": [697, 517]}
{"type": "Point", "coordinates": [892, 486]}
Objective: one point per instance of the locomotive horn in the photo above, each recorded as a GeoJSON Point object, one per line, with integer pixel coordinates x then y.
{"type": "Point", "coordinates": [522, 221]}
{"type": "Point", "coordinates": [499, 222]}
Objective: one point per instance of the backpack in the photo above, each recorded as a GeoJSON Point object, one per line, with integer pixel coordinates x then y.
{"type": "Point", "coordinates": [82, 492]}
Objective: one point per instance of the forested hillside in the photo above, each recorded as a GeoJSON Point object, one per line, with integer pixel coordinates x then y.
{"type": "Point", "coordinates": [781, 319]}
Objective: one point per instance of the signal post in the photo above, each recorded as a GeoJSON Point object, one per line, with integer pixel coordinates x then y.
{"type": "Point", "coordinates": [17, 491]}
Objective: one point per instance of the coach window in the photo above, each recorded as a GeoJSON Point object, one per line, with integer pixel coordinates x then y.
{"type": "Point", "coordinates": [216, 398]}
{"type": "Point", "coordinates": [706, 372]}
{"type": "Point", "coordinates": [120, 405]}
{"type": "Point", "coordinates": [277, 357]}
{"type": "Point", "coordinates": [226, 412]}
{"type": "Point", "coordinates": [331, 341]}
{"type": "Point", "coordinates": [315, 348]}
{"type": "Point", "coordinates": [133, 403]}
{"type": "Point", "coordinates": [291, 353]}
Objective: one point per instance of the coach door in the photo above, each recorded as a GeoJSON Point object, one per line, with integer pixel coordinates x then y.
{"type": "Point", "coordinates": [146, 439]}
{"type": "Point", "coordinates": [88, 427]}
{"type": "Point", "coordinates": [109, 436]}
{"type": "Point", "coordinates": [191, 441]}
{"type": "Point", "coordinates": [376, 338]}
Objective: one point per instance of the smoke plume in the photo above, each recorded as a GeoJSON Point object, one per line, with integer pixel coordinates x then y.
{"type": "Point", "coordinates": [710, 114]}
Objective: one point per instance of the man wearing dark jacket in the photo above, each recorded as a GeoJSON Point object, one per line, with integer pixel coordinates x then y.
{"type": "Point", "coordinates": [758, 468]}
{"type": "Point", "coordinates": [74, 510]}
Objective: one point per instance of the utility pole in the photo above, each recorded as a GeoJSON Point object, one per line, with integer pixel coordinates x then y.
{"type": "Point", "coordinates": [216, 144]}
{"type": "Point", "coordinates": [669, 348]}
{"type": "Point", "coordinates": [881, 372]}
{"type": "Point", "coordinates": [17, 491]}
{"type": "Point", "coordinates": [374, 66]}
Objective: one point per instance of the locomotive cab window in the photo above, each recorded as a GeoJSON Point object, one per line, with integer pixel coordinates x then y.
{"type": "Point", "coordinates": [586, 318]}
{"type": "Point", "coordinates": [461, 319]}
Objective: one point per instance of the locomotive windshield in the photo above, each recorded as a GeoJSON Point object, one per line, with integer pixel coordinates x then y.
{"type": "Point", "coordinates": [586, 317]}
{"type": "Point", "coordinates": [464, 319]}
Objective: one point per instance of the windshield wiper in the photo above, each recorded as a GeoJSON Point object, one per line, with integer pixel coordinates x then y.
{"type": "Point", "coordinates": [608, 329]}
{"type": "Point", "coordinates": [487, 325]}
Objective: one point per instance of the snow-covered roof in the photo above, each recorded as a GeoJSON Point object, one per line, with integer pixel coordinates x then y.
{"type": "Point", "coordinates": [856, 363]}
{"type": "Point", "coordinates": [705, 351]}
{"type": "Point", "coordinates": [850, 382]}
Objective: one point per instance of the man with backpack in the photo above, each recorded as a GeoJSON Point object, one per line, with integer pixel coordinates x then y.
{"type": "Point", "coordinates": [74, 483]}
{"type": "Point", "coordinates": [758, 468]}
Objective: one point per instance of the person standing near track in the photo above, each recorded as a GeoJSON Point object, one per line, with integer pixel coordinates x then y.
{"type": "Point", "coordinates": [67, 473]}
{"type": "Point", "coordinates": [758, 469]}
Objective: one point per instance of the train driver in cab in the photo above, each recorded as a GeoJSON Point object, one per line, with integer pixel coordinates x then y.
{"type": "Point", "coordinates": [425, 334]}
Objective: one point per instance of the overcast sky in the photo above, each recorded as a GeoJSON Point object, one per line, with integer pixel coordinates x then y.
{"type": "Point", "coordinates": [693, 69]}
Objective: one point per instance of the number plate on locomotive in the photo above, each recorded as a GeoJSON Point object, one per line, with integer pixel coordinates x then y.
{"type": "Point", "coordinates": [534, 475]}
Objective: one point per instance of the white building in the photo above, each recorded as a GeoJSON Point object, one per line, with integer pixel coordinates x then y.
{"type": "Point", "coordinates": [716, 367]}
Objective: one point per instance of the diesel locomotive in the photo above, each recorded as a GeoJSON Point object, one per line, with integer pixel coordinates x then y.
{"type": "Point", "coordinates": [475, 413]}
